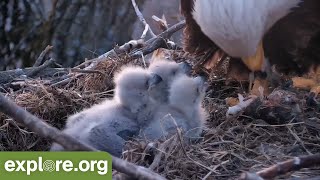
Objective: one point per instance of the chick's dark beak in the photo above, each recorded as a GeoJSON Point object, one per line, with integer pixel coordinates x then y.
{"type": "Point", "coordinates": [185, 68]}
{"type": "Point", "coordinates": [154, 80]}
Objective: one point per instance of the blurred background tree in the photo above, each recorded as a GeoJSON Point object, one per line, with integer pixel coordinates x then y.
{"type": "Point", "coordinates": [77, 29]}
{"type": "Point", "coordinates": [168, 8]}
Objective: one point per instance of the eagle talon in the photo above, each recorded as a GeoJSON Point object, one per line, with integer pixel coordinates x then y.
{"type": "Point", "coordinates": [251, 79]}
{"type": "Point", "coordinates": [260, 87]}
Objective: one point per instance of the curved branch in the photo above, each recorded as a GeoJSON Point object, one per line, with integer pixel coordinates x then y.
{"type": "Point", "coordinates": [45, 130]}
{"type": "Point", "coordinates": [294, 164]}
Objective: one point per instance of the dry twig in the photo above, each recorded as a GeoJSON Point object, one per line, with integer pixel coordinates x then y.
{"type": "Point", "coordinates": [10, 75]}
{"type": "Point", "coordinates": [283, 168]}
{"type": "Point", "coordinates": [39, 126]}
{"type": "Point", "coordinates": [145, 31]}
{"type": "Point", "coordinates": [161, 150]}
{"type": "Point", "coordinates": [157, 42]}
{"type": "Point", "coordinates": [141, 18]}
{"type": "Point", "coordinates": [149, 46]}
{"type": "Point", "coordinates": [37, 69]}
{"type": "Point", "coordinates": [41, 56]}
{"type": "Point", "coordinates": [162, 23]}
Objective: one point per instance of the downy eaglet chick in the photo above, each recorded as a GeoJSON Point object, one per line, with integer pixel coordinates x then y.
{"type": "Point", "coordinates": [129, 90]}
{"type": "Point", "coordinates": [184, 110]}
{"type": "Point", "coordinates": [167, 70]}
{"type": "Point", "coordinates": [108, 125]}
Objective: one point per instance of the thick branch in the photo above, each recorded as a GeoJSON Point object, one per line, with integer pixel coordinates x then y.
{"type": "Point", "coordinates": [159, 41]}
{"type": "Point", "coordinates": [170, 31]}
{"type": "Point", "coordinates": [40, 68]}
{"type": "Point", "coordinates": [45, 130]}
{"type": "Point", "coordinates": [41, 56]}
{"type": "Point", "coordinates": [10, 75]}
{"type": "Point", "coordinates": [149, 46]}
{"type": "Point", "coordinates": [39, 126]}
{"type": "Point", "coordinates": [162, 23]}
{"type": "Point", "coordinates": [284, 167]}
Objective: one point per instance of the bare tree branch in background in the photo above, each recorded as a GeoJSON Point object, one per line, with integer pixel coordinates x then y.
{"type": "Point", "coordinates": [41, 56]}
{"type": "Point", "coordinates": [77, 29]}
{"type": "Point", "coordinates": [140, 16]}
{"type": "Point", "coordinates": [148, 47]}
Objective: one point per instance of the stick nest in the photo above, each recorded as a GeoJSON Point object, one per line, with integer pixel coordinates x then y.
{"type": "Point", "coordinates": [258, 138]}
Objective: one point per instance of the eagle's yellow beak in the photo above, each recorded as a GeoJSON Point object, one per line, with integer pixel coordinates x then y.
{"type": "Point", "coordinates": [256, 63]}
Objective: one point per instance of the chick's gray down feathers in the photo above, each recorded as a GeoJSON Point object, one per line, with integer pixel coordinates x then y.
{"type": "Point", "coordinates": [167, 70]}
{"type": "Point", "coordinates": [108, 125]}
{"type": "Point", "coordinates": [184, 110]}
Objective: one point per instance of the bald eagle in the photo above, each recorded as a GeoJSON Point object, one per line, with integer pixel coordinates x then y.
{"type": "Point", "coordinates": [287, 32]}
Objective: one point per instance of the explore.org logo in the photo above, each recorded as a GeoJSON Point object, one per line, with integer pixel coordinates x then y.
{"type": "Point", "coordinates": [81, 165]}
{"type": "Point", "coordinates": [49, 165]}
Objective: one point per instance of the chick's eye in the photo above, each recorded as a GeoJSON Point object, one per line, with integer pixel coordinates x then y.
{"type": "Point", "coordinates": [174, 72]}
{"type": "Point", "coordinates": [198, 91]}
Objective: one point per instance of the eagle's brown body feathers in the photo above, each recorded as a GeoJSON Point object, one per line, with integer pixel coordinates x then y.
{"type": "Point", "coordinates": [195, 41]}
{"type": "Point", "coordinates": [292, 44]}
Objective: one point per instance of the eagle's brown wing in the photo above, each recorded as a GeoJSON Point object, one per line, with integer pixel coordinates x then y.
{"type": "Point", "coordinates": [194, 40]}
{"type": "Point", "coordinates": [293, 43]}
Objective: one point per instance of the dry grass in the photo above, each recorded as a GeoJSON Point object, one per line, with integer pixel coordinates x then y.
{"type": "Point", "coordinates": [228, 147]}
{"type": "Point", "coordinates": [55, 104]}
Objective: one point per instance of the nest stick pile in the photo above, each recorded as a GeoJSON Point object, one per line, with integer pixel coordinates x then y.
{"type": "Point", "coordinates": [264, 134]}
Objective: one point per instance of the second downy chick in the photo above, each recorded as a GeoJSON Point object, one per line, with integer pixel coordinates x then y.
{"type": "Point", "coordinates": [167, 70]}
{"type": "Point", "coordinates": [184, 110]}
